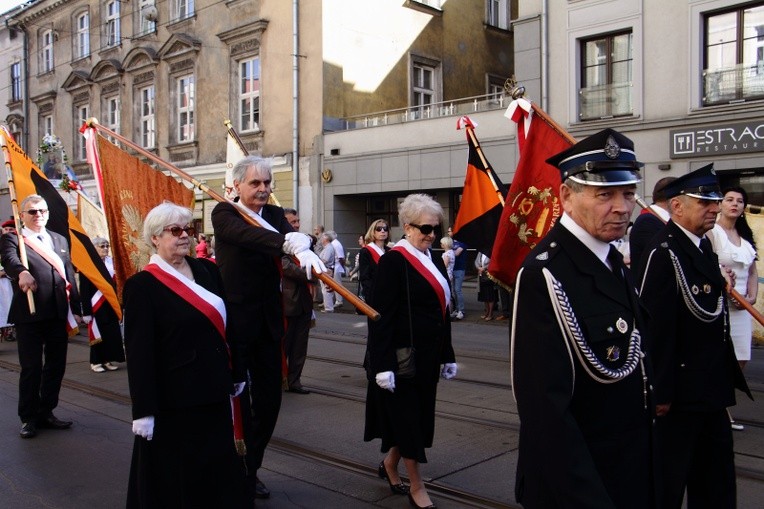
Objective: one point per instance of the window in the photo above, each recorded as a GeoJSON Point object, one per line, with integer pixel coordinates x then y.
{"type": "Point", "coordinates": [606, 76]}
{"type": "Point", "coordinates": [82, 114]}
{"type": "Point", "coordinates": [183, 9]}
{"type": "Point", "coordinates": [498, 14]}
{"type": "Point", "coordinates": [424, 87]}
{"type": "Point", "coordinates": [148, 132]}
{"type": "Point", "coordinates": [145, 24]}
{"type": "Point", "coordinates": [112, 23]}
{"type": "Point", "coordinates": [82, 35]}
{"type": "Point", "coordinates": [112, 113]}
{"type": "Point", "coordinates": [15, 81]}
{"type": "Point", "coordinates": [185, 107]}
{"type": "Point", "coordinates": [734, 56]}
{"type": "Point", "coordinates": [46, 125]}
{"type": "Point", "coordinates": [16, 133]}
{"type": "Point", "coordinates": [46, 51]}
{"type": "Point", "coordinates": [249, 94]}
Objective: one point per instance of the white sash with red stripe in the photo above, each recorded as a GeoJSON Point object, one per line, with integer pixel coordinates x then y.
{"type": "Point", "coordinates": [423, 263]}
{"type": "Point", "coordinates": [50, 256]}
{"type": "Point", "coordinates": [209, 304]}
{"type": "Point", "coordinates": [376, 251]}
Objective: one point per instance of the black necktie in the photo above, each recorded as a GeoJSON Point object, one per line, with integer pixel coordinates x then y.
{"type": "Point", "coordinates": [616, 262]}
{"type": "Point", "coordinates": [705, 246]}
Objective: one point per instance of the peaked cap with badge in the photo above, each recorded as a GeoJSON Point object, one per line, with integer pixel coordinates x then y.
{"type": "Point", "coordinates": [701, 183]}
{"type": "Point", "coordinates": [606, 158]}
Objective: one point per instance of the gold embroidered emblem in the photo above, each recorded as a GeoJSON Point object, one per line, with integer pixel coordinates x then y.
{"type": "Point", "coordinates": [613, 353]}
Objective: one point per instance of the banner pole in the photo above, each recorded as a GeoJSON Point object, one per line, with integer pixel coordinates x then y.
{"type": "Point", "coordinates": [16, 214]}
{"type": "Point", "coordinates": [326, 279]}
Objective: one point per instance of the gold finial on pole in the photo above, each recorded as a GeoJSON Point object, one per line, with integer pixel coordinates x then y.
{"type": "Point", "coordinates": [513, 89]}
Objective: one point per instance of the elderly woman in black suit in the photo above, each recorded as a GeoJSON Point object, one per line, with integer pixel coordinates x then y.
{"type": "Point", "coordinates": [412, 295]}
{"type": "Point", "coordinates": [180, 375]}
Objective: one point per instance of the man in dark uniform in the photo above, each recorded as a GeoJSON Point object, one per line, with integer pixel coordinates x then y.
{"type": "Point", "coordinates": [578, 371]}
{"type": "Point", "coordinates": [250, 262]}
{"type": "Point", "coordinates": [695, 368]}
{"type": "Point", "coordinates": [649, 223]}
{"type": "Point", "coordinates": [43, 336]}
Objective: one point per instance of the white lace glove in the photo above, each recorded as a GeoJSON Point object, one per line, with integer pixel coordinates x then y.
{"type": "Point", "coordinates": [449, 370]}
{"type": "Point", "coordinates": [87, 319]}
{"type": "Point", "coordinates": [310, 260]}
{"type": "Point", "coordinates": [386, 380]}
{"type": "Point", "coordinates": [144, 427]}
{"type": "Point", "coordinates": [295, 242]}
{"type": "Point", "coordinates": [238, 388]}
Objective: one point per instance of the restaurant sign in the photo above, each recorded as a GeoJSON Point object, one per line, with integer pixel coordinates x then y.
{"type": "Point", "coordinates": [734, 138]}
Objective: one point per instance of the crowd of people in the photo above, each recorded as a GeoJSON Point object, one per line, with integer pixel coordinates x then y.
{"type": "Point", "coordinates": [623, 369]}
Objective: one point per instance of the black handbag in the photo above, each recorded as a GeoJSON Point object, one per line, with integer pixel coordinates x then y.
{"type": "Point", "coordinates": [406, 355]}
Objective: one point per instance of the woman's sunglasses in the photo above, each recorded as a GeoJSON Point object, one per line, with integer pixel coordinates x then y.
{"type": "Point", "coordinates": [381, 229]}
{"type": "Point", "coordinates": [177, 231]}
{"type": "Point", "coordinates": [426, 229]}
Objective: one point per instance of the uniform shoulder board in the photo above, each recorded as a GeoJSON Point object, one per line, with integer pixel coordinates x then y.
{"type": "Point", "coordinates": [542, 258]}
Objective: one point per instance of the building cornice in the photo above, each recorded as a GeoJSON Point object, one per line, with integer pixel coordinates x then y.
{"type": "Point", "coordinates": [37, 11]}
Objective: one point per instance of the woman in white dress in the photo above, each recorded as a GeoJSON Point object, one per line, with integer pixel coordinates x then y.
{"type": "Point", "coordinates": [734, 244]}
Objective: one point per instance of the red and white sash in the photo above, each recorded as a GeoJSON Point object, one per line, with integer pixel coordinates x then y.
{"type": "Point", "coordinates": [376, 251]}
{"type": "Point", "coordinates": [50, 256]}
{"type": "Point", "coordinates": [210, 306]}
{"type": "Point", "coordinates": [422, 262]}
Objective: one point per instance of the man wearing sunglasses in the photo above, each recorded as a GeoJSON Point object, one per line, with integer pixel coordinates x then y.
{"type": "Point", "coordinates": [250, 262]}
{"type": "Point", "coordinates": [43, 335]}
{"type": "Point", "coordinates": [577, 344]}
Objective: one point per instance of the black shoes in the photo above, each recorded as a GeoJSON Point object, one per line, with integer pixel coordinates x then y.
{"type": "Point", "coordinates": [260, 490]}
{"type": "Point", "coordinates": [28, 430]}
{"type": "Point", "coordinates": [396, 489]}
{"type": "Point", "coordinates": [413, 503]}
{"type": "Point", "coordinates": [52, 422]}
{"type": "Point", "coordinates": [298, 390]}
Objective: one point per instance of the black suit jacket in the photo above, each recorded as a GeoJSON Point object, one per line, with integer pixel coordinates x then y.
{"type": "Point", "coordinates": [646, 226]}
{"type": "Point", "coordinates": [694, 360]}
{"type": "Point", "coordinates": [175, 357]}
{"type": "Point", "coordinates": [50, 298]}
{"type": "Point", "coordinates": [582, 443]}
{"type": "Point", "coordinates": [296, 288]}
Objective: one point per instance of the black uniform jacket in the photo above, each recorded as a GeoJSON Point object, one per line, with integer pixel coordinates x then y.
{"type": "Point", "coordinates": [296, 288]}
{"type": "Point", "coordinates": [50, 297]}
{"type": "Point", "coordinates": [176, 358]}
{"type": "Point", "coordinates": [646, 226]}
{"type": "Point", "coordinates": [694, 360]}
{"type": "Point", "coordinates": [582, 443]}
{"type": "Point", "coordinates": [367, 273]}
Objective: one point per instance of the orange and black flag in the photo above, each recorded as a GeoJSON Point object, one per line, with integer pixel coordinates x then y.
{"type": "Point", "coordinates": [482, 198]}
{"type": "Point", "coordinates": [28, 179]}
{"type": "Point", "coordinates": [533, 203]}
{"type": "Point", "coordinates": [131, 189]}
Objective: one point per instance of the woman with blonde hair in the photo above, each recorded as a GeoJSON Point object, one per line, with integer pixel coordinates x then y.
{"type": "Point", "coordinates": [411, 293]}
{"type": "Point", "coordinates": [376, 245]}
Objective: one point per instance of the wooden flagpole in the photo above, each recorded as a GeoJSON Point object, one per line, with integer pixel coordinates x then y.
{"type": "Point", "coordinates": [328, 280]}
{"type": "Point", "coordinates": [730, 290]}
{"type": "Point", "coordinates": [16, 214]}
{"type": "Point", "coordinates": [473, 138]}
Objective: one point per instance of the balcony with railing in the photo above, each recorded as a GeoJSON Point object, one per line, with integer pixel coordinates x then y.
{"type": "Point", "coordinates": [605, 101]}
{"type": "Point", "coordinates": [457, 107]}
{"type": "Point", "coordinates": [733, 84]}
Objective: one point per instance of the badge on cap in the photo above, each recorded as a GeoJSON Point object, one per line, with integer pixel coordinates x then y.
{"type": "Point", "coordinates": [612, 149]}
{"type": "Point", "coordinates": [613, 353]}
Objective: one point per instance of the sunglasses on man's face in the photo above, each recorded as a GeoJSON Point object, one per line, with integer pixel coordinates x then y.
{"type": "Point", "coordinates": [426, 229]}
{"type": "Point", "coordinates": [177, 231]}
{"type": "Point", "coordinates": [34, 212]}
{"type": "Point", "coordinates": [381, 229]}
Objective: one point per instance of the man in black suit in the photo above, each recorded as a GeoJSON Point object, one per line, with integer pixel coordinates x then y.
{"type": "Point", "coordinates": [250, 261]}
{"type": "Point", "coordinates": [44, 334]}
{"type": "Point", "coordinates": [578, 371]}
{"type": "Point", "coordinates": [298, 309]}
{"type": "Point", "coordinates": [647, 224]}
{"type": "Point", "coordinates": [695, 368]}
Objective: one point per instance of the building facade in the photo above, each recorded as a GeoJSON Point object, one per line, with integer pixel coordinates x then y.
{"type": "Point", "coordinates": [167, 74]}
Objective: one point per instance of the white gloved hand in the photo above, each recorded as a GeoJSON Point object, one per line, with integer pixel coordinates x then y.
{"type": "Point", "coordinates": [144, 427]}
{"type": "Point", "coordinates": [310, 260]}
{"type": "Point", "coordinates": [295, 242]}
{"type": "Point", "coordinates": [238, 388]}
{"type": "Point", "coordinates": [386, 380]}
{"type": "Point", "coordinates": [449, 370]}
{"type": "Point", "coordinates": [87, 319]}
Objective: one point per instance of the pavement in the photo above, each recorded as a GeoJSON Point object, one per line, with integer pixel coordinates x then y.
{"type": "Point", "coordinates": [87, 466]}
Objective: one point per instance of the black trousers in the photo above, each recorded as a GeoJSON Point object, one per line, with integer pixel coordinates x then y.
{"type": "Point", "coordinates": [296, 347]}
{"type": "Point", "coordinates": [42, 355]}
{"type": "Point", "coordinates": [696, 452]}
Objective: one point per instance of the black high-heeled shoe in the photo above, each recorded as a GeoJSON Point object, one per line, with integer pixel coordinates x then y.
{"type": "Point", "coordinates": [397, 489]}
{"type": "Point", "coordinates": [414, 504]}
